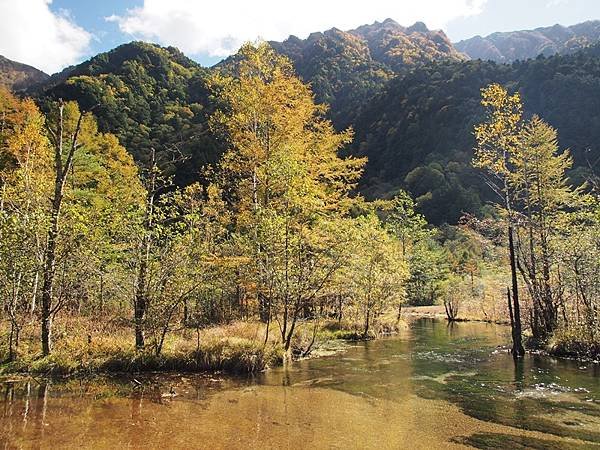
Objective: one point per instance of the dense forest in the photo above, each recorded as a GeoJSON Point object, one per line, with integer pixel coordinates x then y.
{"type": "Point", "coordinates": [418, 133]}
{"type": "Point", "coordinates": [412, 118]}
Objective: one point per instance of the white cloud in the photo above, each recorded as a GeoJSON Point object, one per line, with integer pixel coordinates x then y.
{"type": "Point", "coordinates": [32, 34]}
{"type": "Point", "coordinates": [217, 28]}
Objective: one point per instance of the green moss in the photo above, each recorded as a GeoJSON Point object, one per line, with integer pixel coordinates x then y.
{"type": "Point", "coordinates": [502, 441]}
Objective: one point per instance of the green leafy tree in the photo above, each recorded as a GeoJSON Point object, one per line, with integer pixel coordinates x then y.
{"type": "Point", "coordinates": [376, 271]}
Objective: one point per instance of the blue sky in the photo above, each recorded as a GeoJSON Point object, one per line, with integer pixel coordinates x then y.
{"type": "Point", "coordinates": [91, 15]}
{"type": "Point", "coordinates": [510, 15]}
{"type": "Point", "coordinates": [52, 34]}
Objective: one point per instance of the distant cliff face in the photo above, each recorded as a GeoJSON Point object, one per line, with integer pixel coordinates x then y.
{"type": "Point", "coordinates": [17, 76]}
{"type": "Point", "coordinates": [387, 44]}
{"type": "Point", "coordinates": [346, 68]}
{"type": "Point", "coordinates": [521, 45]}
{"type": "Point", "coordinates": [398, 47]}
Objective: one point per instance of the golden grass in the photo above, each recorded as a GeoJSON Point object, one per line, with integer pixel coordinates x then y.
{"type": "Point", "coordinates": [84, 345]}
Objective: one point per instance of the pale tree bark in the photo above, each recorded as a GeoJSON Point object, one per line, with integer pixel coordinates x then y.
{"type": "Point", "coordinates": [141, 288]}
{"type": "Point", "coordinates": [62, 169]}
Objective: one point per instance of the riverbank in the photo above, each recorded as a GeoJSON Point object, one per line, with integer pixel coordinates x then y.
{"type": "Point", "coordinates": [83, 349]}
{"type": "Point", "coordinates": [438, 312]}
{"type": "Point", "coordinates": [574, 345]}
{"type": "Point", "coordinates": [236, 348]}
{"type": "Point", "coordinates": [571, 344]}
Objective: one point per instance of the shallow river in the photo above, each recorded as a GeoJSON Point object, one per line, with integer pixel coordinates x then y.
{"type": "Point", "coordinates": [434, 386]}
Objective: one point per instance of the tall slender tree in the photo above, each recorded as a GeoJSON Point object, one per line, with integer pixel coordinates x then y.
{"type": "Point", "coordinates": [64, 135]}
{"type": "Point", "coordinates": [497, 139]}
{"type": "Point", "coordinates": [542, 194]}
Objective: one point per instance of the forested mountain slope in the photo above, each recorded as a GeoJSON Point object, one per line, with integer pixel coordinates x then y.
{"type": "Point", "coordinates": [418, 134]}
{"type": "Point", "coordinates": [149, 96]}
{"type": "Point", "coordinates": [413, 117]}
{"type": "Point", "coordinates": [16, 76]}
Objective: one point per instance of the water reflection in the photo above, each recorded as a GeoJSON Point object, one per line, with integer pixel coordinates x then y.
{"type": "Point", "coordinates": [388, 393]}
{"type": "Point", "coordinates": [466, 365]}
{"type": "Point", "coordinates": [519, 365]}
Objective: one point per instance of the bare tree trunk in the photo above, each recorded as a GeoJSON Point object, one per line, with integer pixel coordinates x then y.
{"type": "Point", "coordinates": [141, 293]}
{"type": "Point", "coordinates": [450, 313]}
{"type": "Point", "coordinates": [140, 302]}
{"type": "Point", "coordinates": [268, 324]}
{"type": "Point", "coordinates": [517, 349]}
{"type": "Point", "coordinates": [34, 293]}
{"type": "Point", "coordinates": [62, 172]}
{"type": "Point", "coordinates": [140, 310]}
{"type": "Point", "coordinates": [13, 340]}
{"type": "Point", "coordinates": [49, 271]}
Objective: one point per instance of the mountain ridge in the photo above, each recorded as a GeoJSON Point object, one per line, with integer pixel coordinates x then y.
{"type": "Point", "coordinates": [509, 46]}
{"type": "Point", "coordinates": [346, 68]}
{"type": "Point", "coordinates": [414, 124]}
{"type": "Point", "coordinates": [18, 76]}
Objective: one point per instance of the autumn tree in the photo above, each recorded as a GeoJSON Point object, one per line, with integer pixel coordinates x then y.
{"type": "Point", "coordinates": [63, 131]}
{"type": "Point", "coordinates": [25, 173]}
{"type": "Point", "coordinates": [284, 180]}
{"type": "Point", "coordinates": [497, 139]}
{"type": "Point", "coordinates": [530, 176]}
{"type": "Point", "coordinates": [67, 205]}
{"type": "Point", "coordinates": [543, 194]}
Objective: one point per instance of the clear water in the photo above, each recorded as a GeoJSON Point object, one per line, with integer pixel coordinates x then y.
{"type": "Point", "coordinates": [434, 386]}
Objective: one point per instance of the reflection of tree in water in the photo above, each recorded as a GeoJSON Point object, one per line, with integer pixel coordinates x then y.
{"type": "Point", "coordinates": [498, 389]}
{"type": "Point", "coordinates": [136, 428]}
{"type": "Point", "coordinates": [24, 409]}
{"type": "Point", "coordinates": [452, 328]}
{"type": "Point", "coordinates": [39, 408]}
{"type": "Point", "coordinates": [519, 385]}
{"type": "Point", "coordinates": [7, 411]}
{"type": "Point", "coordinates": [8, 399]}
